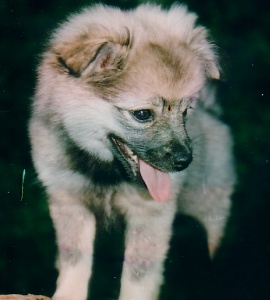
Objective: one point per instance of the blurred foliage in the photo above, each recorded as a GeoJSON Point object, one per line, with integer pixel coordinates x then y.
{"type": "Point", "coordinates": [241, 29]}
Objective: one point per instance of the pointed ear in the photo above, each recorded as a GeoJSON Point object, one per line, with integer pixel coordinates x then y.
{"type": "Point", "coordinates": [206, 52]}
{"type": "Point", "coordinates": [93, 54]}
{"type": "Point", "coordinates": [109, 59]}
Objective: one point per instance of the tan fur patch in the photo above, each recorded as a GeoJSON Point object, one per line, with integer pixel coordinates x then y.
{"type": "Point", "coordinates": [176, 66]}
{"type": "Point", "coordinates": [76, 54]}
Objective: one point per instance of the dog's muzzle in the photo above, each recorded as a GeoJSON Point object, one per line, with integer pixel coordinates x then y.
{"type": "Point", "coordinates": [156, 178]}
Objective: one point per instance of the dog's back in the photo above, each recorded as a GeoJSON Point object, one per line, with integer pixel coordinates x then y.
{"type": "Point", "coordinates": [210, 178]}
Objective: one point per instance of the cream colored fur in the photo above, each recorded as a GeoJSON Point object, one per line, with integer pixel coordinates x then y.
{"type": "Point", "coordinates": [100, 65]}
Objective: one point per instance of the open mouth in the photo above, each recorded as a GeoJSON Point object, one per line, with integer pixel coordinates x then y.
{"type": "Point", "coordinates": [157, 182]}
{"type": "Point", "coordinates": [128, 154]}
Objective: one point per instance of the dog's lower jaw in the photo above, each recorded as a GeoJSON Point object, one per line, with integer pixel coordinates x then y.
{"type": "Point", "coordinates": [157, 182]}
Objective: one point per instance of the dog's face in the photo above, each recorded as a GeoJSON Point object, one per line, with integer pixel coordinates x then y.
{"type": "Point", "coordinates": [152, 113]}
{"type": "Point", "coordinates": [127, 95]}
{"type": "Point", "coordinates": [153, 142]}
{"type": "Point", "coordinates": [154, 110]}
{"type": "Point", "coordinates": [155, 132]}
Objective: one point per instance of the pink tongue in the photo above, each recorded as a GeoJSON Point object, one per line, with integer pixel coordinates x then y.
{"type": "Point", "coordinates": [157, 182]}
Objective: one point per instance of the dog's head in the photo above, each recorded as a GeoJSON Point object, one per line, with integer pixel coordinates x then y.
{"type": "Point", "coordinates": [153, 141]}
{"type": "Point", "coordinates": [130, 78]}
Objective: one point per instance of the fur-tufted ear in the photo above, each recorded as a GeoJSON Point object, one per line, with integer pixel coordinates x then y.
{"type": "Point", "coordinates": [206, 52]}
{"type": "Point", "coordinates": [94, 55]}
{"type": "Point", "coordinates": [109, 59]}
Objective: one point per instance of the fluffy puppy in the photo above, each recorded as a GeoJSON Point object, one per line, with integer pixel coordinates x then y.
{"type": "Point", "coordinates": [112, 130]}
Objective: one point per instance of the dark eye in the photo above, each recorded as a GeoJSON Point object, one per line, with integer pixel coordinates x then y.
{"type": "Point", "coordinates": [142, 115]}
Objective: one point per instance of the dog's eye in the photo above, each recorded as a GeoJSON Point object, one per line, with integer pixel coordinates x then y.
{"type": "Point", "coordinates": [142, 115]}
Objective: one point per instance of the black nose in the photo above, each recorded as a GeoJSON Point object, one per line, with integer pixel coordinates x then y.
{"type": "Point", "coordinates": [181, 161]}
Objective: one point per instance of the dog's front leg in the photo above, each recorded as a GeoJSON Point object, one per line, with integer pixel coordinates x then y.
{"type": "Point", "coordinates": [75, 230]}
{"type": "Point", "coordinates": [147, 240]}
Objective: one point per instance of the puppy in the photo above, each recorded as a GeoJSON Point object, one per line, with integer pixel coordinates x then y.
{"type": "Point", "coordinates": [121, 110]}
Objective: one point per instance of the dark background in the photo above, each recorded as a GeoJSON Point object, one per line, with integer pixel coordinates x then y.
{"type": "Point", "coordinates": [241, 268]}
